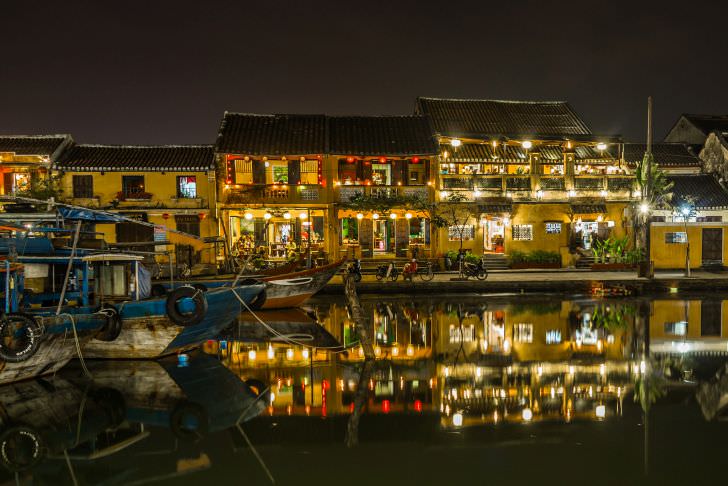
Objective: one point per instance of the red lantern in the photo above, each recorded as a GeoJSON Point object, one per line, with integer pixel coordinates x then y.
{"type": "Point", "coordinates": [382, 160]}
{"type": "Point", "coordinates": [418, 405]}
{"type": "Point", "coordinates": [165, 216]}
{"type": "Point", "coordinates": [202, 216]}
{"type": "Point", "coordinates": [350, 160]}
{"type": "Point", "coordinates": [415, 160]}
{"type": "Point", "coordinates": [386, 406]}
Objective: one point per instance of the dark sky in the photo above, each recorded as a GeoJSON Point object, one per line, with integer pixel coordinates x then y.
{"type": "Point", "coordinates": [158, 71]}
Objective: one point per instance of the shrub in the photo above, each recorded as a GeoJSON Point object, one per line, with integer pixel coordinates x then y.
{"type": "Point", "coordinates": [536, 256]}
{"type": "Point", "coordinates": [470, 258]}
{"type": "Point", "coordinates": [517, 257]}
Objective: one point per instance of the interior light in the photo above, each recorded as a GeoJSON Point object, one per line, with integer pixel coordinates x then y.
{"type": "Point", "coordinates": [527, 144]}
{"type": "Point", "coordinates": [393, 215]}
{"type": "Point", "coordinates": [601, 146]}
{"type": "Point", "coordinates": [252, 355]}
{"type": "Point", "coordinates": [305, 353]}
{"type": "Point", "coordinates": [303, 215]}
{"type": "Point", "coordinates": [289, 353]}
{"type": "Point", "coordinates": [455, 142]}
{"type": "Point", "coordinates": [267, 216]}
{"type": "Point", "coordinates": [375, 216]}
{"type": "Point", "coordinates": [527, 414]}
{"type": "Point", "coordinates": [359, 216]}
{"type": "Point", "coordinates": [408, 215]}
{"type": "Point", "coordinates": [286, 215]}
{"type": "Point", "coordinates": [248, 216]}
{"type": "Point", "coordinates": [601, 411]}
{"type": "Point", "coordinates": [457, 419]}
{"type": "Point", "coordinates": [271, 352]}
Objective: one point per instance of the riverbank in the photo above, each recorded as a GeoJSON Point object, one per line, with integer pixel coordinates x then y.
{"type": "Point", "coordinates": [526, 281]}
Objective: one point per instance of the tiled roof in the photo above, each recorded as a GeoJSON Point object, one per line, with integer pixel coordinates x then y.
{"type": "Point", "coordinates": [665, 154]}
{"type": "Point", "coordinates": [494, 118]}
{"type": "Point", "coordinates": [708, 123]}
{"type": "Point", "coordinates": [137, 157]}
{"type": "Point", "coordinates": [381, 135]}
{"type": "Point", "coordinates": [249, 134]}
{"type": "Point", "coordinates": [46, 145]}
{"type": "Point", "coordinates": [704, 190]}
{"type": "Point", "coordinates": [485, 153]}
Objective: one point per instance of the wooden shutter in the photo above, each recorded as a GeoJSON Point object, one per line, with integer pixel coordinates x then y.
{"type": "Point", "coordinates": [398, 167]}
{"type": "Point", "coordinates": [83, 186]}
{"type": "Point", "coordinates": [294, 172]}
{"type": "Point", "coordinates": [365, 234]}
{"type": "Point", "coordinates": [258, 172]}
{"type": "Point", "coordinates": [259, 230]}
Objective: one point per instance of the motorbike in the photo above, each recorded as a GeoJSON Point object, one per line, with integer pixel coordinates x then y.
{"type": "Point", "coordinates": [387, 271]}
{"type": "Point", "coordinates": [476, 270]}
{"type": "Point", "coordinates": [423, 270]}
{"type": "Point", "coordinates": [354, 269]}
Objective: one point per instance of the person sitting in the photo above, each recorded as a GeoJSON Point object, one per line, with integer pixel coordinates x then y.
{"type": "Point", "coordinates": [409, 270]}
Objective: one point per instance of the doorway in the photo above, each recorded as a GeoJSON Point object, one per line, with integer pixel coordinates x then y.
{"type": "Point", "coordinates": [494, 235]}
{"type": "Point", "coordinates": [382, 236]}
{"type": "Point", "coordinates": [712, 246]}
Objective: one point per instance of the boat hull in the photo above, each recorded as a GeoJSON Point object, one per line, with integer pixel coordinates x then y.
{"type": "Point", "coordinates": [56, 348]}
{"type": "Point", "coordinates": [147, 331]}
{"type": "Point", "coordinates": [293, 289]}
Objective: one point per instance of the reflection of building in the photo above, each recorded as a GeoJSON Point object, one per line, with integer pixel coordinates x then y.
{"type": "Point", "coordinates": [689, 327]}
{"type": "Point", "coordinates": [533, 175]}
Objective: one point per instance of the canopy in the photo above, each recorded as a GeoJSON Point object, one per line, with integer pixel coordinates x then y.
{"type": "Point", "coordinates": [113, 257]}
{"type": "Point", "coordinates": [90, 215]}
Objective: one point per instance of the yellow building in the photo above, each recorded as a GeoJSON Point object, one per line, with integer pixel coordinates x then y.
{"type": "Point", "coordinates": [170, 186]}
{"type": "Point", "coordinates": [25, 159]}
{"type": "Point", "coordinates": [531, 175]}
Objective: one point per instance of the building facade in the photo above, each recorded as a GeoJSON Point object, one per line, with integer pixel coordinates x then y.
{"type": "Point", "coordinates": [169, 186]}
{"type": "Point", "coordinates": [27, 159]}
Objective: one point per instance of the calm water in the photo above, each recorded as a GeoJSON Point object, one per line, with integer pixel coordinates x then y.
{"type": "Point", "coordinates": [504, 389]}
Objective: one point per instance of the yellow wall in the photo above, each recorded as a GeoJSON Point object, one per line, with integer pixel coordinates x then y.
{"type": "Point", "coordinates": [672, 255]}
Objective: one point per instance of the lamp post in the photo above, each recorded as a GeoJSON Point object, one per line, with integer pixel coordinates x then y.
{"type": "Point", "coordinates": [686, 210]}
{"type": "Point", "coordinates": [645, 211]}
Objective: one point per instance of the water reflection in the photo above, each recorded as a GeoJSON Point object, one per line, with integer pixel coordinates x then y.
{"type": "Point", "coordinates": [479, 361]}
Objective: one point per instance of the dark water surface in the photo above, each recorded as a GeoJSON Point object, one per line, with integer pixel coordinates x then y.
{"type": "Point", "coordinates": [483, 389]}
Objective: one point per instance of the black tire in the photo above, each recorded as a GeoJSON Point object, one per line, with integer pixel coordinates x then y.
{"type": "Point", "coordinates": [186, 318]}
{"type": "Point", "coordinates": [256, 386]}
{"type": "Point", "coordinates": [15, 348]}
{"type": "Point", "coordinates": [158, 290]}
{"type": "Point", "coordinates": [112, 328]}
{"type": "Point", "coordinates": [428, 274]}
{"type": "Point", "coordinates": [259, 300]}
{"type": "Point", "coordinates": [21, 448]}
{"type": "Point", "coordinates": [380, 274]}
{"type": "Point", "coordinates": [181, 414]}
{"type": "Point", "coordinates": [393, 275]}
{"type": "Point", "coordinates": [481, 275]}
{"type": "Point", "coordinates": [357, 277]}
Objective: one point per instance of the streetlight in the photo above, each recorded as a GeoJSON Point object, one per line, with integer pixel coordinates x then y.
{"type": "Point", "coordinates": [644, 208]}
{"type": "Point", "coordinates": [686, 210]}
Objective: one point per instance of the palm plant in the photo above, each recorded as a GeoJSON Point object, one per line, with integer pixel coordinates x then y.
{"type": "Point", "coordinates": [655, 193]}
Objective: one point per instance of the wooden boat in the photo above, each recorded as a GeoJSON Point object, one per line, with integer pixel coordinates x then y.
{"type": "Point", "coordinates": [39, 343]}
{"type": "Point", "coordinates": [293, 289]}
{"type": "Point", "coordinates": [180, 321]}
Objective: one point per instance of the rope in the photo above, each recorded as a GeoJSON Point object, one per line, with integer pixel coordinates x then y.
{"type": "Point", "coordinates": [285, 337]}
{"type": "Point", "coordinates": [78, 344]}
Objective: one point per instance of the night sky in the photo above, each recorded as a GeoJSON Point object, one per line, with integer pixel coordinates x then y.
{"type": "Point", "coordinates": [153, 71]}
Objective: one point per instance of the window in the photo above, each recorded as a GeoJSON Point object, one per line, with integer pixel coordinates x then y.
{"type": "Point", "coordinates": [553, 228]}
{"type": "Point", "coordinates": [415, 173]}
{"type": "Point", "coordinates": [381, 174]}
{"type": "Point", "coordinates": [349, 230]}
{"type": "Point", "coordinates": [132, 185]}
{"type": "Point", "coordinates": [466, 231]}
{"type": "Point", "coordinates": [243, 171]}
{"type": "Point", "coordinates": [187, 187]}
{"type": "Point", "coordinates": [676, 328]}
{"type": "Point", "coordinates": [309, 172]}
{"type": "Point", "coordinates": [280, 172]}
{"type": "Point", "coordinates": [523, 332]}
{"type": "Point", "coordinates": [188, 224]}
{"type": "Point", "coordinates": [522, 232]}
{"type": "Point", "coordinates": [466, 336]}
{"type": "Point", "coordinates": [553, 336]}
{"type": "Point", "coordinates": [418, 230]}
{"type": "Point", "coordinates": [676, 237]}
{"type": "Point", "coordinates": [83, 186]}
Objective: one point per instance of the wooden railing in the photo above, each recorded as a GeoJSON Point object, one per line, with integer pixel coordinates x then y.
{"type": "Point", "coordinates": [275, 193]}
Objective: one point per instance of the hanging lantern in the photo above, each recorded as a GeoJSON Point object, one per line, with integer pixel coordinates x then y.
{"type": "Point", "coordinates": [415, 160]}
{"type": "Point", "coordinates": [382, 160]}
{"type": "Point", "coordinates": [202, 216]}
{"type": "Point", "coordinates": [165, 216]}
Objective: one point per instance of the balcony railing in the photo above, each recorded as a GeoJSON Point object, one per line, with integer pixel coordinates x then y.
{"type": "Point", "coordinates": [620, 183]}
{"type": "Point", "coordinates": [518, 183]}
{"type": "Point", "coordinates": [552, 184]}
{"type": "Point", "coordinates": [275, 193]}
{"type": "Point", "coordinates": [345, 193]}
{"type": "Point", "coordinates": [588, 183]}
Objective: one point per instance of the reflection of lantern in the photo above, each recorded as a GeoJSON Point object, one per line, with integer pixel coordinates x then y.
{"type": "Point", "coordinates": [202, 216]}
{"type": "Point", "coordinates": [165, 216]}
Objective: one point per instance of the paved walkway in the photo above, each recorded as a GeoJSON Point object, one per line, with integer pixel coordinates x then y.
{"type": "Point", "coordinates": [542, 281]}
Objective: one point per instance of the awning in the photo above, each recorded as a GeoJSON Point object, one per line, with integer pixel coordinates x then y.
{"type": "Point", "coordinates": [78, 214]}
{"type": "Point", "coordinates": [589, 208]}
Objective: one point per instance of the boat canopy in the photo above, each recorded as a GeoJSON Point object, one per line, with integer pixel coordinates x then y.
{"type": "Point", "coordinates": [113, 257]}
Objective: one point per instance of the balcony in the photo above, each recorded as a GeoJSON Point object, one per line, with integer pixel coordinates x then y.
{"type": "Point", "coordinates": [275, 194]}
{"type": "Point", "coordinates": [345, 193]}
{"type": "Point", "coordinates": [518, 183]}
{"type": "Point", "coordinates": [552, 184]}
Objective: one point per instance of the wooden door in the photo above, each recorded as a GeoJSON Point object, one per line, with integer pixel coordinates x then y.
{"type": "Point", "coordinates": [711, 318]}
{"type": "Point", "coordinates": [712, 245]}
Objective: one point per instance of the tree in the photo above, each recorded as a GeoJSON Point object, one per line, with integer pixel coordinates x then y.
{"type": "Point", "coordinates": [655, 193]}
{"type": "Point", "coordinates": [452, 213]}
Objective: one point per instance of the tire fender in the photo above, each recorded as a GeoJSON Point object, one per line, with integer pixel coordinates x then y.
{"type": "Point", "coordinates": [27, 345]}
{"type": "Point", "coordinates": [187, 318]}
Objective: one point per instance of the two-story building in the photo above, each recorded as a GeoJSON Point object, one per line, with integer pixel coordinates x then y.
{"type": "Point", "coordinates": [274, 189]}
{"type": "Point", "coordinates": [383, 172]}
{"type": "Point", "coordinates": [171, 186]}
{"type": "Point", "coordinates": [532, 174]}
{"type": "Point", "coordinates": [28, 158]}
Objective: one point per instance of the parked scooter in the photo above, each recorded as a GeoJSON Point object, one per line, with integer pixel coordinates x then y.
{"type": "Point", "coordinates": [354, 269]}
{"type": "Point", "coordinates": [387, 271]}
{"type": "Point", "coordinates": [476, 270]}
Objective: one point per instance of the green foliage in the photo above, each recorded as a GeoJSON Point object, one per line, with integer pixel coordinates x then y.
{"type": "Point", "coordinates": [649, 386]}
{"type": "Point", "coordinates": [452, 255]}
{"type": "Point", "coordinates": [612, 317]}
{"type": "Point", "coordinates": [517, 257]}
{"type": "Point", "coordinates": [470, 258]}
{"type": "Point", "coordinates": [43, 188]}
{"type": "Point", "coordinates": [634, 256]}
